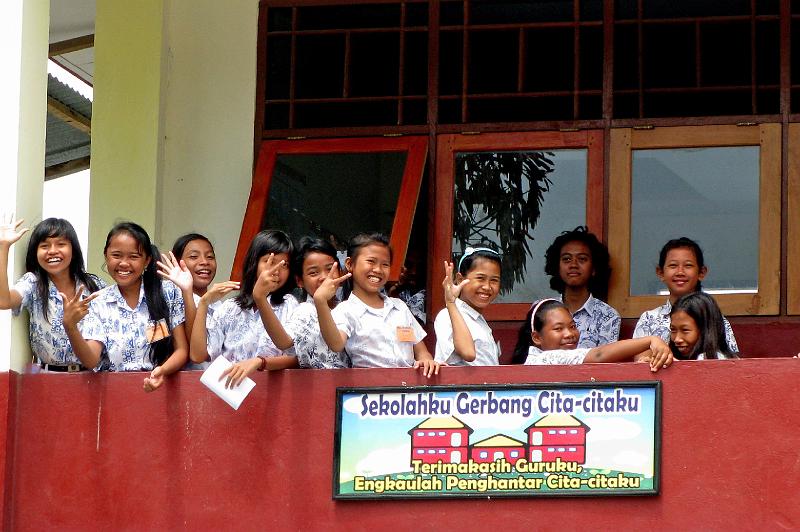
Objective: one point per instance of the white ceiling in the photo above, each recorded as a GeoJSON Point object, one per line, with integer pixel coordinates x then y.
{"type": "Point", "coordinates": [70, 19]}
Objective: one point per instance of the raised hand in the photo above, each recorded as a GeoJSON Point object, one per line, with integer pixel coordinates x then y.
{"type": "Point", "coordinates": [451, 291]}
{"type": "Point", "coordinates": [75, 308]}
{"type": "Point", "coordinates": [269, 278]}
{"type": "Point", "coordinates": [327, 290]}
{"type": "Point", "coordinates": [10, 231]}
{"type": "Point", "coordinates": [219, 290]}
{"type": "Point", "coordinates": [176, 271]}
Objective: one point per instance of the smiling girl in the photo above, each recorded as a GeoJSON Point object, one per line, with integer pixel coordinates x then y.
{"type": "Point", "coordinates": [462, 335]}
{"type": "Point", "coordinates": [681, 268]}
{"type": "Point", "coordinates": [696, 329]}
{"type": "Point", "coordinates": [135, 324]}
{"type": "Point", "coordinates": [235, 331]}
{"type": "Point", "coordinates": [54, 263]}
{"type": "Point", "coordinates": [550, 336]}
{"type": "Point", "coordinates": [376, 331]}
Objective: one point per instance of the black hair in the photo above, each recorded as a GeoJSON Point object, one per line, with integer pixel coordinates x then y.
{"type": "Point", "coordinates": [182, 241]}
{"type": "Point", "coordinates": [57, 227]}
{"type": "Point", "coordinates": [705, 312]}
{"type": "Point", "coordinates": [683, 242]}
{"type": "Point", "coordinates": [154, 297]}
{"type": "Point", "coordinates": [265, 242]}
{"type": "Point", "coordinates": [598, 283]}
{"type": "Point", "coordinates": [525, 331]}
{"type": "Point", "coordinates": [305, 247]}
{"type": "Point", "coordinates": [466, 262]}
{"type": "Point", "coordinates": [362, 240]}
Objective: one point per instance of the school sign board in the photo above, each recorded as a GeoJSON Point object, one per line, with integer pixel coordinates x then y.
{"type": "Point", "coordinates": [559, 439]}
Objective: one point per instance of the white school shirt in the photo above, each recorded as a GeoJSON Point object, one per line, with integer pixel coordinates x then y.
{"type": "Point", "coordinates": [537, 357]}
{"type": "Point", "coordinates": [309, 346]}
{"type": "Point", "coordinates": [656, 322]}
{"type": "Point", "coordinates": [122, 330]}
{"type": "Point", "coordinates": [372, 332]}
{"type": "Point", "coordinates": [238, 334]}
{"type": "Point", "coordinates": [48, 339]}
{"type": "Point", "coordinates": [212, 307]}
{"type": "Point", "coordinates": [597, 322]}
{"type": "Point", "coordinates": [487, 352]}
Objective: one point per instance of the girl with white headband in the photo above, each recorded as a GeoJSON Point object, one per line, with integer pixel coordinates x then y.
{"type": "Point", "coordinates": [550, 336]}
{"type": "Point", "coordinates": [463, 338]}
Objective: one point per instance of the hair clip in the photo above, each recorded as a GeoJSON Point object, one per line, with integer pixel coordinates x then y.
{"type": "Point", "coordinates": [471, 251]}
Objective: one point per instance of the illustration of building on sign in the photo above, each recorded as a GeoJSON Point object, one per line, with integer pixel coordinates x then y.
{"type": "Point", "coordinates": [557, 436]}
{"type": "Point", "coordinates": [443, 439]}
{"type": "Point", "coordinates": [496, 447]}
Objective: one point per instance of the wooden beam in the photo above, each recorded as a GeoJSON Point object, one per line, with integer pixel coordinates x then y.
{"type": "Point", "coordinates": [71, 45]}
{"type": "Point", "coordinates": [69, 167]}
{"type": "Point", "coordinates": [76, 120]}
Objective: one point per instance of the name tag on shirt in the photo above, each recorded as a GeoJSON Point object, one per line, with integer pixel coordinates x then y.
{"type": "Point", "coordinates": [406, 334]}
{"type": "Point", "coordinates": [156, 330]}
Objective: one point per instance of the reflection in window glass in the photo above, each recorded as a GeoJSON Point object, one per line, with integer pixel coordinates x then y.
{"type": "Point", "coordinates": [335, 196]}
{"type": "Point", "coordinates": [707, 194]}
{"type": "Point", "coordinates": [496, 203]}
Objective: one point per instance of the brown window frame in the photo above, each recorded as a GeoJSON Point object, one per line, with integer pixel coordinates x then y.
{"type": "Point", "coordinates": [625, 140]}
{"type": "Point", "coordinates": [415, 146]}
{"type": "Point", "coordinates": [446, 148]}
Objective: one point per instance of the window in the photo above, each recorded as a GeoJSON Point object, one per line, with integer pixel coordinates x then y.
{"type": "Point", "coordinates": [420, 451]}
{"type": "Point", "coordinates": [441, 433]}
{"type": "Point", "coordinates": [573, 431]}
{"type": "Point", "coordinates": [718, 185]}
{"type": "Point", "coordinates": [514, 454]}
{"type": "Point", "coordinates": [431, 451]}
{"type": "Point", "coordinates": [420, 434]}
{"type": "Point", "coordinates": [483, 454]}
{"type": "Point", "coordinates": [562, 431]}
{"type": "Point", "coordinates": [442, 451]}
{"type": "Point", "coordinates": [431, 434]}
{"type": "Point", "coordinates": [572, 449]}
{"type": "Point", "coordinates": [515, 193]}
{"type": "Point", "coordinates": [297, 188]}
{"type": "Point", "coordinates": [561, 449]}
{"type": "Point", "coordinates": [551, 432]}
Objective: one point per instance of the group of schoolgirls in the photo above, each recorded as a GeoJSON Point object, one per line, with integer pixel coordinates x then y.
{"type": "Point", "coordinates": [162, 314]}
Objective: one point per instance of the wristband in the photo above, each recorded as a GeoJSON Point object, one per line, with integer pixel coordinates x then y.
{"type": "Point", "coordinates": [263, 365]}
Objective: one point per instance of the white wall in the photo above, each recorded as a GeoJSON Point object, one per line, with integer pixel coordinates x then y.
{"type": "Point", "coordinates": [208, 104]}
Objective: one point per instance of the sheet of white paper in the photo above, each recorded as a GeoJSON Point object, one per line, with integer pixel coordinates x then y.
{"type": "Point", "coordinates": [232, 396]}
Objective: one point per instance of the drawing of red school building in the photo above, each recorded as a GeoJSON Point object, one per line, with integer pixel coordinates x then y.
{"type": "Point", "coordinates": [446, 440]}
{"type": "Point", "coordinates": [443, 439]}
{"type": "Point", "coordinates": [496, 447]}
{"type": "Point", "coordinates": [557, 436]}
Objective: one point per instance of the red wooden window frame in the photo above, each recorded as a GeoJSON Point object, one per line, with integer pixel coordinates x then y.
{"type": "Point", "coordinates": [416, 147]}
{"type": "Point", "coordinates": [446, 148]}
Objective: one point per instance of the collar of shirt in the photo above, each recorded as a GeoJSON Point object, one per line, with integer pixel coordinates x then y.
{"type": "Point", "coordinates": [588, 305]}
{"type": "Point", "coordinates": [533, 350]}
{"type": "Point", "coordinates": [115, 296]}
{"type": "Point", "coordinates": [53, 291]}
{"type": "Point", "coordinates": [464, 307]}
{"type": "Point", "coordinates": [363, 308]}
{"type": "Point", "coordinates": [665, 309]}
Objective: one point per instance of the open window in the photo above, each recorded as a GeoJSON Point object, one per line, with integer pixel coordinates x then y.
{"type": "Point", "coordinates": [718, 185]}
{"type": "Point", "coordinates": [334, 189]}
{"type": "Point", "coordinates": [514, 192]}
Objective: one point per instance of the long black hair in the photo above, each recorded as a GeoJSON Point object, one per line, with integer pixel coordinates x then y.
{"type": "Point", "coordinates": [264, 243]}
{"type": "Point", "coordinates": [705, 312]}
{"type": "Point", "coordinates": [49, 228]}
{"type": "Point", "coordinates": [683, 242]}
{"type": "Point", "coordinates": [157, 306]}
{"type": "Point", "coordinates": [305, 247]}
{"type": "Point", "coordinates": [598, 283]}
{"type": "Point", "coordinates": [542, 307]}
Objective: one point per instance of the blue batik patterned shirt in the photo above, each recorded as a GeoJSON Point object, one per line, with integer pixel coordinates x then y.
{"type": "Point", "coordinates": [122, 330]}
{"type": "Point", "coordinates": [48, 339]}
{"type": "Point", "coordinates": [597, 322]}
{"type": "Point", "coordinates": [238, 334]}
{"type": "Point", "coordinates": [309, 346]}
{"type": "Point", "coordinates": [656, 322]}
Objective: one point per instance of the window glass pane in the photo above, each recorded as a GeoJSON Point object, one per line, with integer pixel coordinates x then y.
{"type": "Point", "coordinates": [707, 194]}
{"type": "Point", "coordinates": [494, 205]}
{"type": "Point", "coordinates": [306, 195]}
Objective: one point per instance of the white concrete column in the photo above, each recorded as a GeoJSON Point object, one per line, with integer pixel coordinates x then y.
{"type": "Point", "coordinates": [24, 29]}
